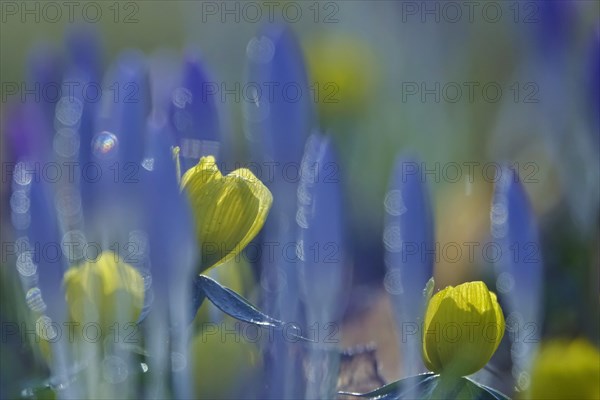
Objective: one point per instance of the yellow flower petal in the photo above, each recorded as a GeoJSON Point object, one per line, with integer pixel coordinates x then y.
{"type": "Point", "coordinates": [105, 291]}
{"type": "Point", "coordinates": [463, 328]}
{"type": "Point", "coordinates": [229, 210]}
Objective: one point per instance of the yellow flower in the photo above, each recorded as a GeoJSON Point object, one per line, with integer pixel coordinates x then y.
{"type": "Point", "coordinates": [566, 370]}
{"type": "Point", "coordinates": [462, 329]}
{"type": "Point", "coordinates": [105, 291]}
{"type": "Point", "coordinates": [229, 210]}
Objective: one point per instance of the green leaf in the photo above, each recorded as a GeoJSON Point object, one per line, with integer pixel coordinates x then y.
{"type": "Point", "coordinates": [487, 392]}
{"type": "Point", "coordinates": [239, 308]}
{"type": "Point", "coordinates": [396, 390]}
{"type": "Point", "coordinates": [431, 386]}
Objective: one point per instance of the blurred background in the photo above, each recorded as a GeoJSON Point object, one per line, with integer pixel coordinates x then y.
{"type": "Point", "coordinates": [461, 87]}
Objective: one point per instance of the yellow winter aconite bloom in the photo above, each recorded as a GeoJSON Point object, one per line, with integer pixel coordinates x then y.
{"type": "Point", "coordinates": [104, 291]}
{"type": "Point", "coordinates": [229, 210]}
{"type": "Point", "coordinates": [566, 369]}
{"type": "Point", "coordinates": [462, 329]}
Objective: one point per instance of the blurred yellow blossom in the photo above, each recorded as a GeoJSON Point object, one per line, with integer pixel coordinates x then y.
{"type": "Point", "coordinates": [105, 291]}
{"type": "Point", "coordinates": [566, 369]}
{"type": "Point", "coordinates": [343, 74]}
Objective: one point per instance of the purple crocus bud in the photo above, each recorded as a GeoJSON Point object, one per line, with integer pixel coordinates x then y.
{"type": "Point", "coordinates": [125, 106]}
{"type": "Point", "coordinates": [117, 146]}
{"type": "Point", "coordinates": [278, 111]}
{"type": "Point", "coordinates": [26, 132]}
{"type": "Point", "coordinates": [172, 257]}
{"type": "Point", "coordinates": [194, 113]}
{"type": "Point", "coordinates": [324, 278]}
{"type": "Point", "coordinates": [519, 265]}
{"type": "Point", "coordinates": [84, 49]}
{"type": "Point", "coordinates": [169, 222]}
{"type": "Point", "coordinates": [82, 85]}
{"type": "Point", "coordinates": [409, 244]}
{"type": "Point", "coordinates": [44, 78]}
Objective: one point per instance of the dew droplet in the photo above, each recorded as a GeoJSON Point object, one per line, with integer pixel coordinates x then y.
{"type": "Point", "coordinates": [66, 142]}
{"type": "Point", "coordinates": [302, 218]}
{"type": "Point", "coordinates": [523, 381]}
{"type": "Point", "coordinates": [74, 245]}
{"type": "Point", "coordinates": [25, 264]}
{"type": "Point", "coordinates": [394, 203]}
{"type": "Point", "coordinates": [148, 164]}
{"type": "Point", "coordinates": [19, 202]}
{"type": "Point", "coordinates": [105, 145]}
{"type": "Point", "coordinates": [45, 328]}
{"type": "Point", "coordinates": [499, 213]}
{"type": "Point", "coordinates": [34, 300]}
{"type": "Point", "coordinates": [505, 282]}
{"type": "Point", "coordinates": [310, 171]}
{"type": "Point", "coordinates": [22, 174]}
{"type": "Point", "coordinates": [300, 250]}
{"type": "Point", "coordinates": [69, 111]}
{"type": "Point", "coordinates": [260, 50]}
{"type": "Point", "coordinates": [304, 196]}
{"type": "Point", "coordinates": [181, 97]}
{"type": "Point", "coordinates": [20, 221]}
{"type": "Point", "coordinates": [393, 282]}
{"type": "Point", "coordinates": [392, 238]}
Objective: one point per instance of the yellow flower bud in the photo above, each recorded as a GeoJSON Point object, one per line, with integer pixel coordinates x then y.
{"type": "Point", "coordinates": [105, 291]}
{"type": "Point", "coordinates": [229, 210]}
{"type": "Point", "coordinates": [566, 370]}
{"type": "Point", "coordinates": [462, 329]}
